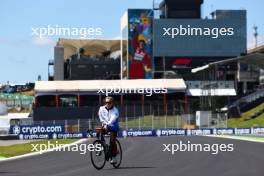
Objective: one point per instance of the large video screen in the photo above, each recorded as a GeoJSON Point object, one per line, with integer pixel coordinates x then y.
{"type": "Point", "coordinates": [224, 36]}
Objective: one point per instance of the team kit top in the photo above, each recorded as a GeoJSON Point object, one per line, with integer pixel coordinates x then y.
{"type": "Point", "coordinates": [109, 117]}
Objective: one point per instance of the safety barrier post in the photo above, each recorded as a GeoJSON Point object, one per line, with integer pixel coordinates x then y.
{"type": "Point", "coordinates": [89, 123]}
{"type": "Point", "coordinates": [78, 121]}
{"type": "Point", "coordinates": [65, 125]}
{"type": "Point", "coordinates": [126, 122]}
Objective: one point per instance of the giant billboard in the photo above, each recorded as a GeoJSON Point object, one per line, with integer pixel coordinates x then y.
{"type": "Point", "coordinates": [223, 36]}
{"type": "Point", "coordinates": [140, 62]}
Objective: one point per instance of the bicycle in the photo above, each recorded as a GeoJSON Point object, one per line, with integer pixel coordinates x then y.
{"type": "Point", "coordinates": [99, 158]}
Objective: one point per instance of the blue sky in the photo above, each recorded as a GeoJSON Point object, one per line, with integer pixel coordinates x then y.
{"type": "Point", "coordinates": [24, 57]}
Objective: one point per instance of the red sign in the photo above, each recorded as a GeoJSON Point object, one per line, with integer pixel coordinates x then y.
{"type": "Point", "coordinates": [183, 61]}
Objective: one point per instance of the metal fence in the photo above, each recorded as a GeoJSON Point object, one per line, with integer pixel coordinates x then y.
{"type": "Point", "coordinates": [134, 115]}
{"type": "Point", "coordinates": [137, 122]}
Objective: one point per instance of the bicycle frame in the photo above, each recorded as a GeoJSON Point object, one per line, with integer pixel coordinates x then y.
{"type": "Point", "coordinates": [100, 134]}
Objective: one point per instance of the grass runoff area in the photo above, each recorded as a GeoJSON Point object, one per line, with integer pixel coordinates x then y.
{"type": "Point", "coordinates": [20, 149]}
{"type": "Point", "coordinates": [245, 122]}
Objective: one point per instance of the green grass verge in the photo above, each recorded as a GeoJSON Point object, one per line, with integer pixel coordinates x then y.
{"type": "Point", "coordinates": [245, 121]}
{"type": "Point", "coordinates": [20, 149]}
{"type": "Point", "coordinates": [255, 138]}
{"type": "Point", "coordinates": [246, 115]}
{"type": "Point", "coordinates": [242, 123]}
{"type": "Point", "coordinates": [158, 122]}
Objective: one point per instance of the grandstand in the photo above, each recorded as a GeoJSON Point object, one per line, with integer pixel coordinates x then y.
{"type": "Point", "coordinates": [85, 60]}
{"type": "Point", "coordinates": [226, 82]}
{"type": "Point", "coordinates": [63, 100]}
{"type": "Point", "coordinates": [17, 97]}
{"type": "Point", "coordinates": [250, 97]}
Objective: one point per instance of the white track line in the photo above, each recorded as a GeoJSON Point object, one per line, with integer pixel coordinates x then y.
{"type": "Point", "coordinates": [42, 152]}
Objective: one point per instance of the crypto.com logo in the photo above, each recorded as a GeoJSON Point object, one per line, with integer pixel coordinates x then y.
{"type": "Point", "coordinates": [16, 129]}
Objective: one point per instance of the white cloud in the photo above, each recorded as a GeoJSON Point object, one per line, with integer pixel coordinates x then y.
{"type": "Point", "coordinates": [43, 41]}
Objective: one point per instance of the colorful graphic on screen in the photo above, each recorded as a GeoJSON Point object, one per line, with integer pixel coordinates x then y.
{"type": "Point", "coordinates": [140, 44]}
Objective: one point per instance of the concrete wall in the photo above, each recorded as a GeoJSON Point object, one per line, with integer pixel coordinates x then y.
{"type": "Point", "coordinates": [58, 63]}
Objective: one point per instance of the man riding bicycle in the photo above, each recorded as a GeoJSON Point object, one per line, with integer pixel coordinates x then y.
{"type": "Point", "coordinates": [108, 115]}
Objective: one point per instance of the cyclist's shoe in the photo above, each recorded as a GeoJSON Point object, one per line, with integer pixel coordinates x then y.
{"type": "Point", "coordinates": [113, 160]}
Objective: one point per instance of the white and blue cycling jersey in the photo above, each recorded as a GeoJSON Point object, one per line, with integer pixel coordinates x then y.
{"type": "Point", "coordinates": [109, 117]}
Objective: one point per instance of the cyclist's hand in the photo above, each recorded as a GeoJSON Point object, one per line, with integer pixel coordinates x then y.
{"type": "Point", "coordinates": [105, 126]}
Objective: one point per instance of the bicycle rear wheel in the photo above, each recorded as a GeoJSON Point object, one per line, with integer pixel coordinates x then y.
{"type": "Point", "coordinates": [119, 155]}
{"type": "Point", "coordinates": [98, 158]}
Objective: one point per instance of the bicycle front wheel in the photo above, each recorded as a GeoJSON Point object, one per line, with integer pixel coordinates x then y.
{"type": "Point", "coordinates": [118, 155]}
{"type": "Point", "coordinates": [98, 157]}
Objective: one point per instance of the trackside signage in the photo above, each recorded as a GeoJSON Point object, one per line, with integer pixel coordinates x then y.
{"type": "Point", "coordinates": [170, 132]}
{"type": "Point", "coordinates": [196, 132]}
{"type": "Point", "coordinates": [69, 135]}
{"type": "Point", "coordinates": [257, 130]}
{"type": "Point", "coordinates": [58, 132]}
{"type": "Point", "coordinates": [36, 129]}
{"type": "Point", "coordinates": [242, 131]}
{"type": "Point", "coordinates": [223, 131]}
{"type": "Point", "coordinates": [138, 133]}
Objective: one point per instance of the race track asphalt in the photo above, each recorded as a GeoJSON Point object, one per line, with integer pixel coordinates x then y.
{"type": "Point", "coordinates": [143, 156]}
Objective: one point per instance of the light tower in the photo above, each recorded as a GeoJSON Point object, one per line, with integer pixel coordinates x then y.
{"type": "Point", "coordinates": [256, 35]}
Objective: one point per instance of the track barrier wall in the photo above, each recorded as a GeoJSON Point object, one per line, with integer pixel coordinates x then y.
{"type": "Point", "coordinates": [58, 132]}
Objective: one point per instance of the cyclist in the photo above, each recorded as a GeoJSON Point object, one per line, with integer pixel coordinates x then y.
{"type": "Point", "coordinates": [108, 115]}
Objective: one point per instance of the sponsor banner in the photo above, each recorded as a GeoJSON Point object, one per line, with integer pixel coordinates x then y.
{"type": "Point", "coordinates": [170, 132]}
{"type": "Point", "coordinates": [138, 133]}
{"type": "Point", "coordinates": [198, 132]}
{"type": "Point", "coordinates": [53, 136]}
{"type": "Point", "coordinates": [36, 129]}
{"type": "Point", "coordinates": [223, 131]}
{"type": "Point", "coordinates": [259, 130]}
{"type": "Point", "coordinates": [57, 132]}
{"type": "Point", "coordinates": [33, 136]}
{"type": "Point", "coordinates": [242, 131]}
{"type": "Point", "coordinates": [69, 135]}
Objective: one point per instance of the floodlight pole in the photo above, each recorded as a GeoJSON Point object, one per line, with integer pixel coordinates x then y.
{"type": "Point", "coordinates": [256, 35]}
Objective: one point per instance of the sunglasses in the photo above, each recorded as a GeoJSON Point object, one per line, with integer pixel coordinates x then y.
{"type": "Point", "coordinates": [109, 102]}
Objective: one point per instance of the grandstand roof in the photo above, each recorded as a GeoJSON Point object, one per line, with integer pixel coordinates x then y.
{"type": "Point", "coordinates": [256, 59]}
{"type": "Point", "coordinates": [95, 85]}
{"type": "Point", "coordinates": [259, 49]}
{"type": "Point", "coordinates": [211, 88]}
{"type": "Point", "coordinates": [92, 47]}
